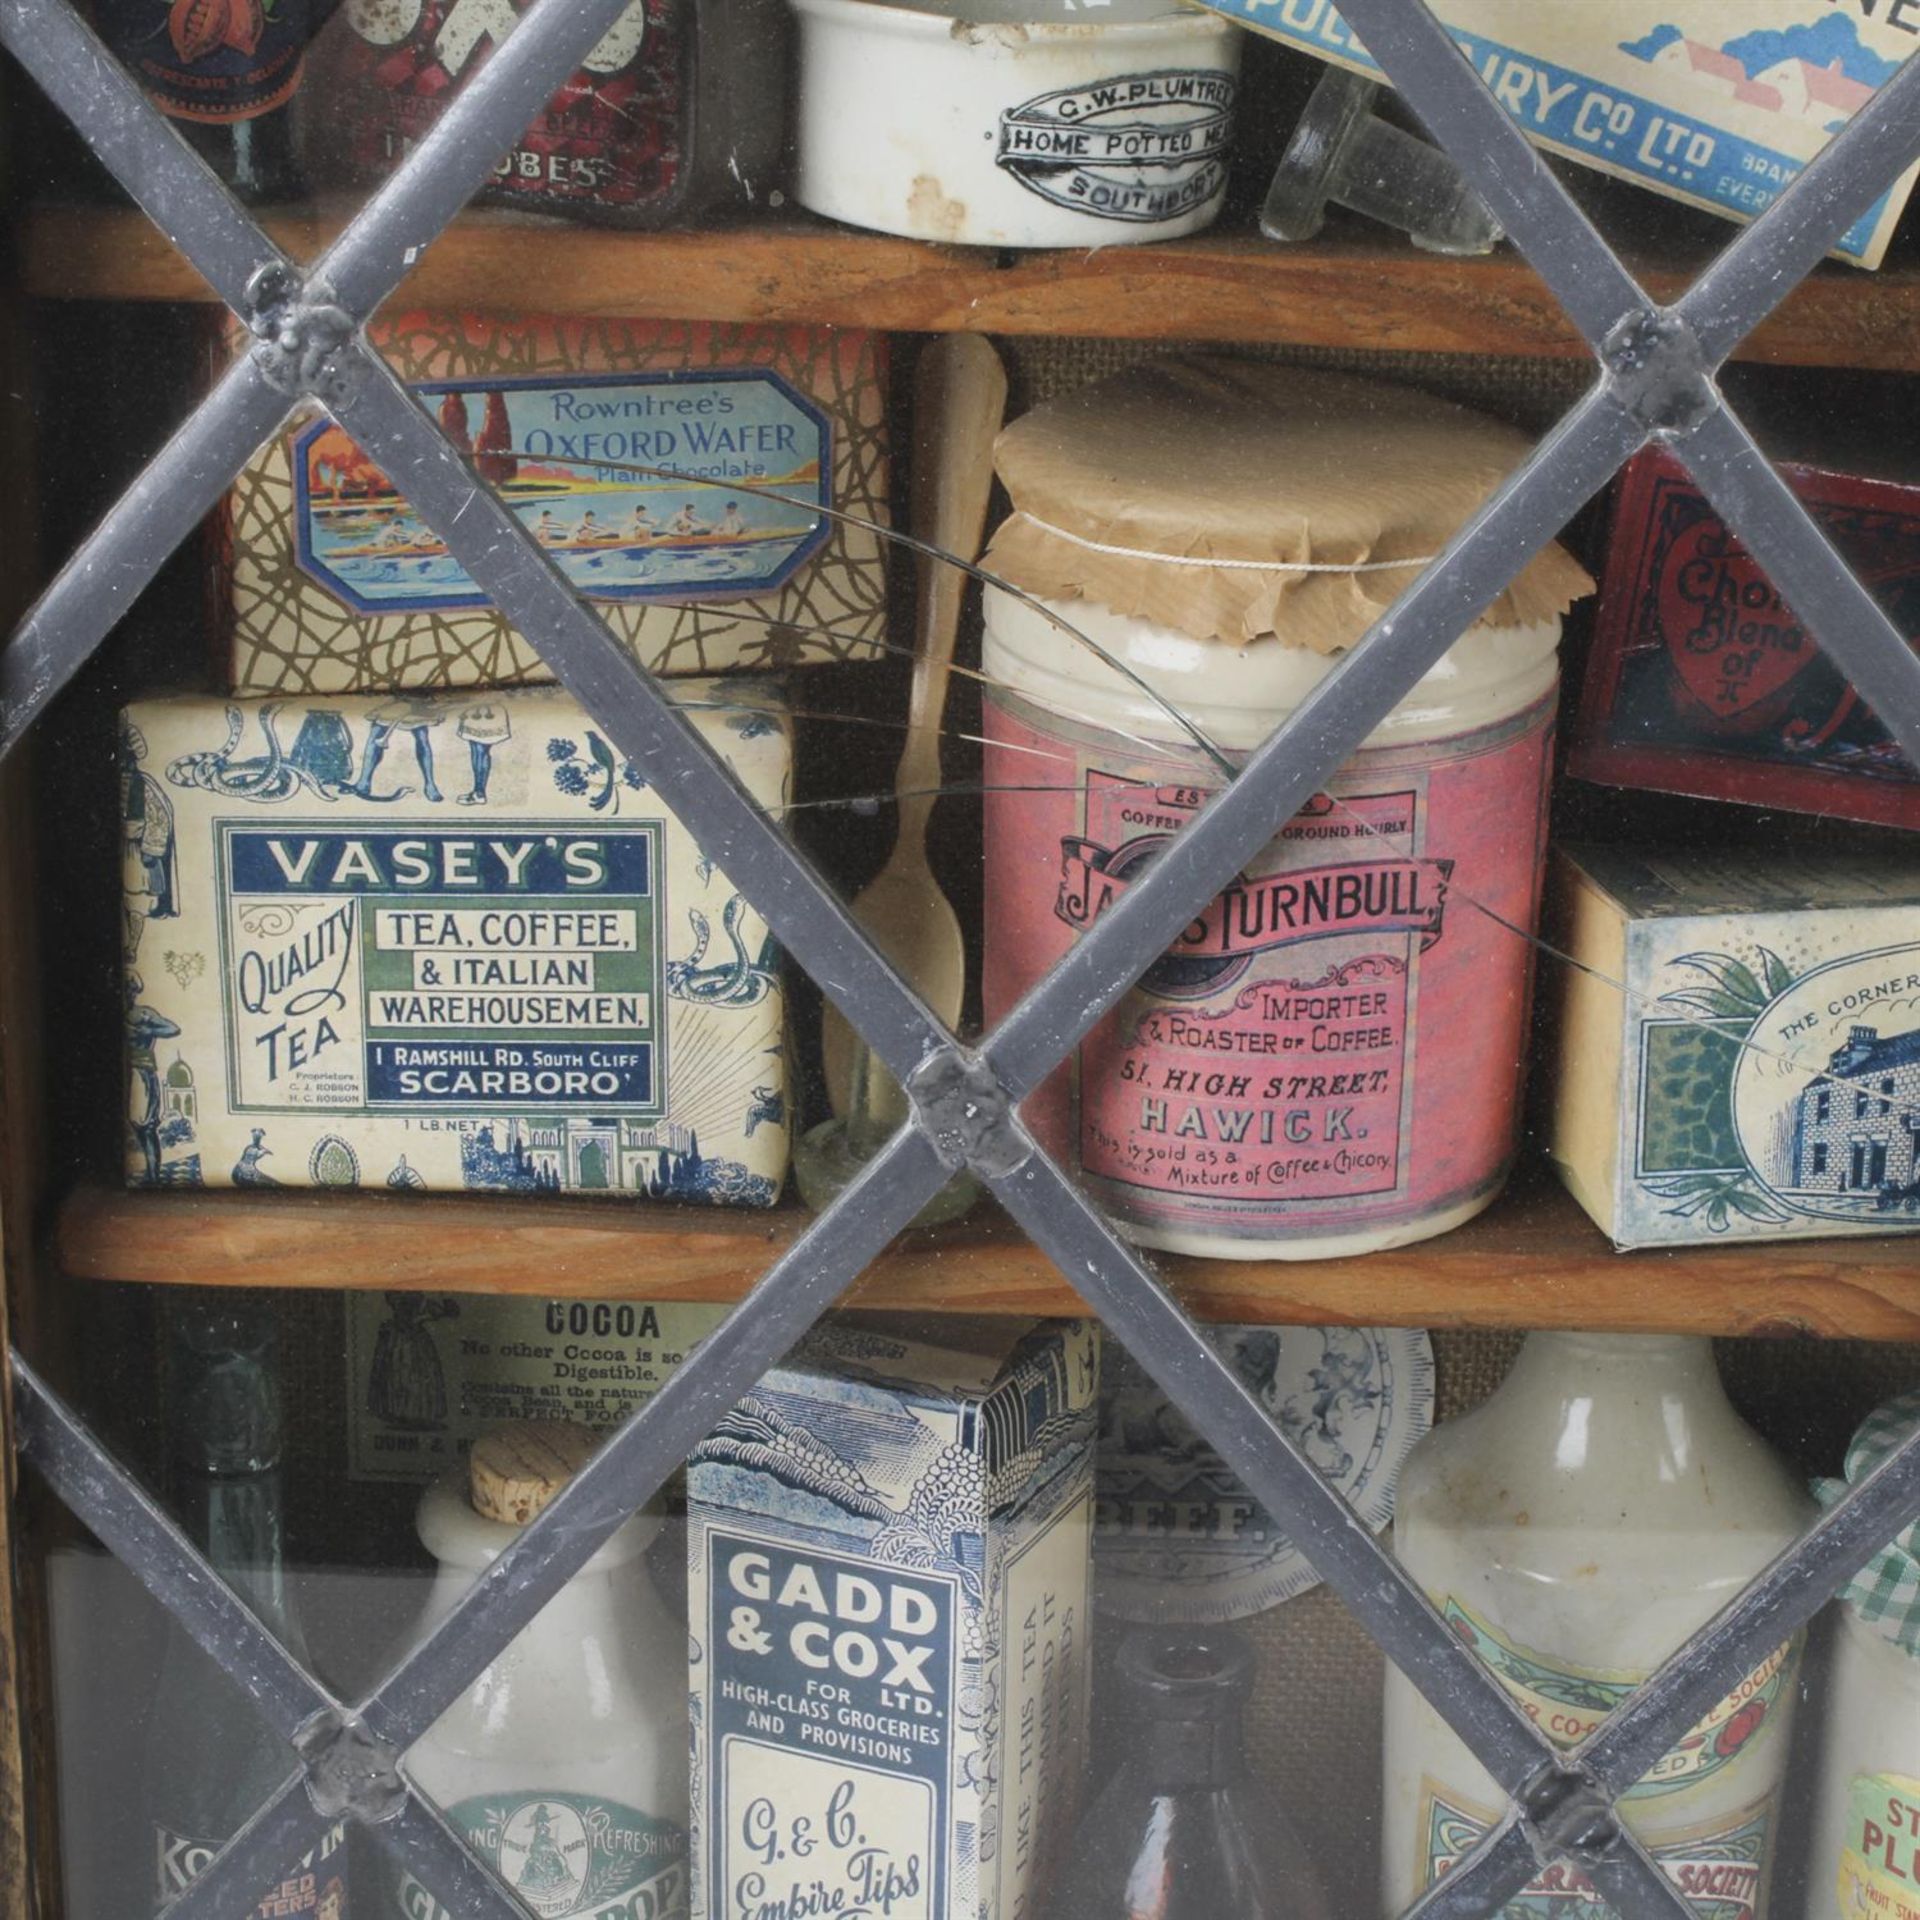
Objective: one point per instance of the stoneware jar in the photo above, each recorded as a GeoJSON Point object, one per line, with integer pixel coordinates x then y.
{"type": "Point", "coordinates": [564, 1765]}
{"type": "Point", "coordinates": [1012, 129]}
{"type": "Point", "coordinates": [1866, 1841]}
{"type": "Point", "coordinates": [1329, 1059]}
{"type": "Point", "coordinates": [1604, 1504]}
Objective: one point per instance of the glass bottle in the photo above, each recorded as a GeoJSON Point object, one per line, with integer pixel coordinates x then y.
{"type": "Point", "coordinates": [211, 1758]}
{"type": "Point", "coordinates": [224, 72]}
{"type": "Point", "coordinates": [564, 1764]}
{"type": "Point", "coordinates": [1601, 1506]}
{"type": "Point", "coordinates": [1183, 1831]}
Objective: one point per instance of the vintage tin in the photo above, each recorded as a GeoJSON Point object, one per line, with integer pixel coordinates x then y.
{"type": "Point", "coordinates": [328, 583]}
{"type": "Point", "coordinates": [1330, 1060]}
{"type": "Point", "coordinates": [1004, 132]}
{"type": "Point", "coordinates": [452, 942]}
{"type": "Point", "coordinates": [428, 1373]}
{"type": "Point", "coordinates": [888, 1576]}
{"type": "Point", "coordinates": [1703, 680]}
{"type": "Point", "coordinates": [677, 111]}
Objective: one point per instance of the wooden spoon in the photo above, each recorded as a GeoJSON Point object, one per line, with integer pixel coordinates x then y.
{"type": "Point", "coordinates": [959, 400]}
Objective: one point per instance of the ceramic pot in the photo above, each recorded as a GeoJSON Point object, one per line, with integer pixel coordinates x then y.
{"type": "Point", "coordinates": [1047, 133]}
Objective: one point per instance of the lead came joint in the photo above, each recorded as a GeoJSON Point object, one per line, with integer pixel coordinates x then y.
{"type": "Point", "coordinates": [967, 1114]}
{"type": "Point", "coordinates": [1567, 1813]}
{"type": "Point", "coordinates": [350, 1770]}
{"type": "Point", "coordinates": [1659, 371]}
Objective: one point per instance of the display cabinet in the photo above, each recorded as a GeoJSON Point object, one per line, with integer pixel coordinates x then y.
{"type": "Point", "coordinates": [120, 327]}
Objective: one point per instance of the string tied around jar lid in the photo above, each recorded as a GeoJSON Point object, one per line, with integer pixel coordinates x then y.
{"type": "Point", "coordinates": [1163, 559]}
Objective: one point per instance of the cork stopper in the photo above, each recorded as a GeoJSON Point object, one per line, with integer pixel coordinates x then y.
{"type": "Point", "coordinates": [516, 1469]}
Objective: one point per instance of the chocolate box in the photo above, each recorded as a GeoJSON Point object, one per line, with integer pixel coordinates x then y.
{"type": "Point", "coordinates": [718, 493]}
{"type": "Point", "coordinates": [1703, 682]}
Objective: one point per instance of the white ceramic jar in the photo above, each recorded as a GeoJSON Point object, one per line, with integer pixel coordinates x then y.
{"type": "Point", "coordinates": [1015, 129]}
{"type": "Point", "coordinates": [1866, 1835]}
{"type": "Point", "coordinates": [564, 1764]}
{"type": "Point", "coordinates": [1601, 1506]}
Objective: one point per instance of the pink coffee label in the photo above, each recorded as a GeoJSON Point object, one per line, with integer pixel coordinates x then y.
{"type": "Point", "coordinates": [1336, 1042]}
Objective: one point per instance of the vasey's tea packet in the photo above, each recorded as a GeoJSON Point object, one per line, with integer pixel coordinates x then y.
{"type": "Point", "coordinates": [443, 941]}
{"type": "Point", "coordinates": [888, 1560]}
{"type": "Point", "coordinates": [1714, 104]}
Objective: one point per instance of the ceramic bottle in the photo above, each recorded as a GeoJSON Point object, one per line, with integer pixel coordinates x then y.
{"type": "Point", "coordinates": [565, 1763]}
{"type": "Point", "coordinates": [1601, 1506]}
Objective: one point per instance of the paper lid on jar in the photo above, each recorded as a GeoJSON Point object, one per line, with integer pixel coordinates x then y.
{"type": "Point", "coordinates": [1885, 1593]}
{"type": "Point", "coordinates": [516, 1469]}
{"type": "Point", "coordinates": [1234, 499]}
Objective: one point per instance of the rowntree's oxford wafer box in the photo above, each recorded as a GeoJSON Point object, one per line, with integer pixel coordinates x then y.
{"type": "Point", "coordinates": [1708, 102]}
{"type": "Point", "coordinates": [715, 491]}
{"type": "Point", "coordinates": [450, 941]}
{"type": "Point", "coordinates": [888, 1601]}
{"type": "Point", "coordinates": [1737, 1053]}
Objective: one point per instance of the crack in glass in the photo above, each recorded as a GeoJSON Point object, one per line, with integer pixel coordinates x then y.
{"type": "Point", "coordinates": [1626, 408]}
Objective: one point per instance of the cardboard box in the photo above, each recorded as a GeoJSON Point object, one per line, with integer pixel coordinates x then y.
{"type": "Point", "coordinates": [1737, 1046]}
{"type": "Point", "coordinates": [888, 1600]}
{"type": "Point", "coordinates": [1702, 681]}
{"type": "Point", "coordinates": [332, 585]}
{"type": "Point", "coordinates": [1716, 105]}
{"type": "Point", "coordinates": [443, 941]}
{"type": "Point", "coordinates": [429, 1373]}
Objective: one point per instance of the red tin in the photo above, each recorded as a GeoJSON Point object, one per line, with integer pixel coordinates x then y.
{"type": "Point", "coordinates": [675, 113]}
{"type": "Point", "coordinates": [1703, 682]}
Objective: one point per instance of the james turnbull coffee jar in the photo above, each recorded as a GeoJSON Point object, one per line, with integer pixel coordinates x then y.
{"type": "Point", "coordinates": [1329, 1059]}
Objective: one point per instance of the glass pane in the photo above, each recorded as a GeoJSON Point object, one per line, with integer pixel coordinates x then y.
{"type": "Point", "coordinates": [439, 1024]}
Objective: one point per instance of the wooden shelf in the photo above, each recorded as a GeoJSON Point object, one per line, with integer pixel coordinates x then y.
{"type": "Point", "coordinates": [1532, 1260]}
{"type": "Point", "coordinates": [1345, 290]}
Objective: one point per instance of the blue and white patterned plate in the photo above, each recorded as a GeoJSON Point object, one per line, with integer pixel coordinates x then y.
{"type": "Point", "coordinates": [1177, 1537]}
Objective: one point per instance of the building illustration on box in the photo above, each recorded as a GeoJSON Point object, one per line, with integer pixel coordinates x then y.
{"type": "Point", "coordinates": [1819, 72]}
{"type": "Point", "coordinates": [443, 941]}
{"type": "Point", "coordinates": [1858, 1126]}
